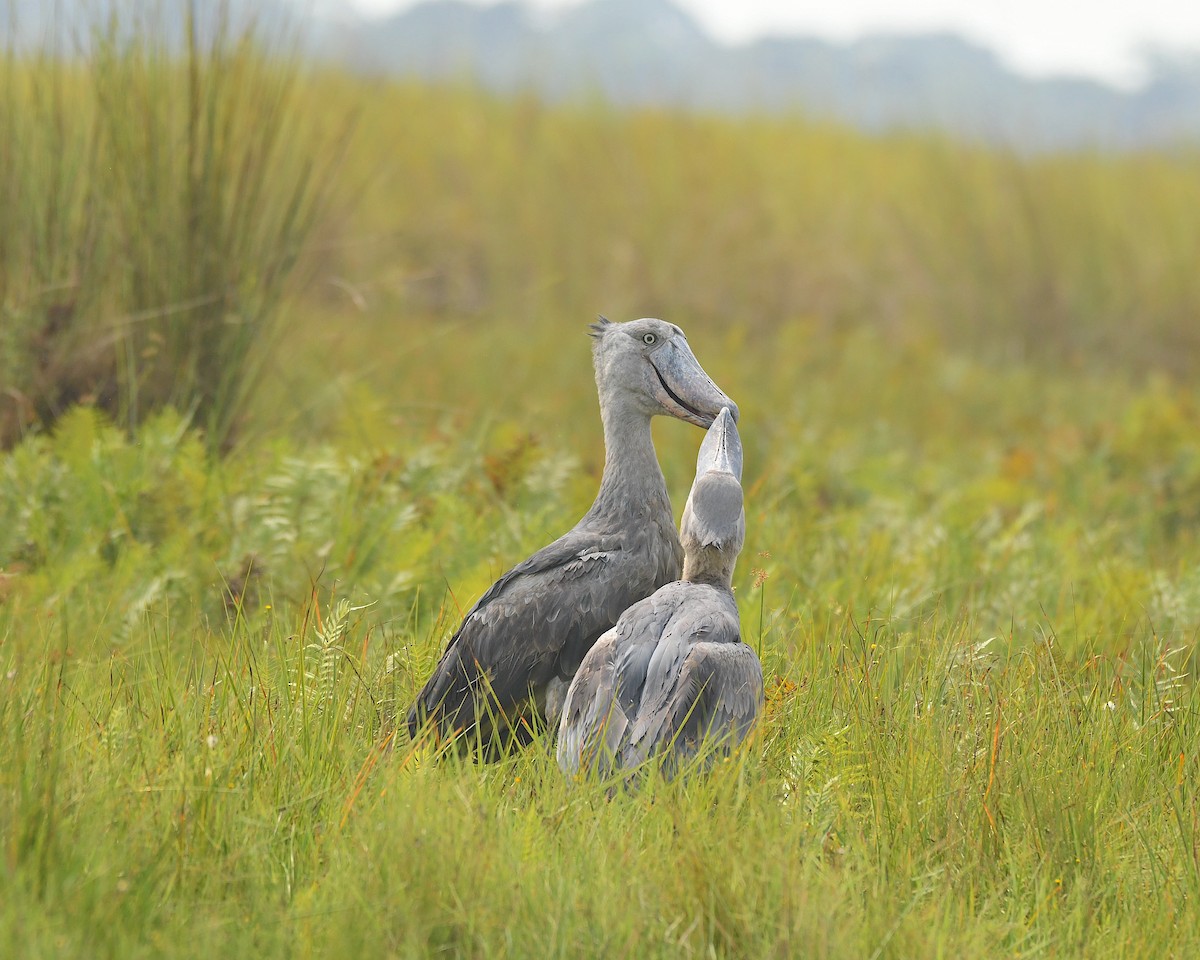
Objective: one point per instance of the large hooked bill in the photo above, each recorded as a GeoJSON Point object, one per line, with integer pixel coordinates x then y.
{"type": "Point", "coordinates": [721, 451]}
{"type": "Point", "coordinates": [687, 392]}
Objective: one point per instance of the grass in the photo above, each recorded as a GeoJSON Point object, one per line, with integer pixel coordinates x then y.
{"type": "Point", "coordinates": [980, 736]}
{"type": "Point", "coordinates": [156, 202]}
{"type": "Point", "coordinates": [972, 565]}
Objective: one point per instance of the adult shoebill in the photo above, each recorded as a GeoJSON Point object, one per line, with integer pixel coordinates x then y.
{"type": "Point", "coordinates": [674, 674]}
{"type": "Point", "coordinates": [516, 651]}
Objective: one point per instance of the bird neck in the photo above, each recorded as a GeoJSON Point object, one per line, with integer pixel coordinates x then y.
{"type": "Point", "coordinates": [633, 483]}
{"type": "Point", "coordinates": [709, 565]}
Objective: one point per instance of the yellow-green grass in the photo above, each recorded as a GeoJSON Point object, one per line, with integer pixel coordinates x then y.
{"type": "Point", "coordinates": [180, 777]}
{"type": "Point", "coordinates": [972, 566]}
{"type": "Point", "coordinates": [154, 201]}
{"type": "Point", "coordinates": [501, 210]}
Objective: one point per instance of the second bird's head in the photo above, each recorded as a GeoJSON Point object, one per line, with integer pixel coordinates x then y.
{"type": "Point", "coordinates": [714, 518]}
{"type": "Point", "coordinates": [648, 363]}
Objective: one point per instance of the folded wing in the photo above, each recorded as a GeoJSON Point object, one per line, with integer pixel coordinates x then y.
{"type": "Point", "coordinates": [603, 700]}
{"type": "Point", "coordinates": [703, 683]}
{"type": "Point", "coordinates": [533, 624]}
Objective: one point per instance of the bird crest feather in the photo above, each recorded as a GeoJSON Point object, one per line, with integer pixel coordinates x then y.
{"type": "Point", "coordinates": [597, 330]}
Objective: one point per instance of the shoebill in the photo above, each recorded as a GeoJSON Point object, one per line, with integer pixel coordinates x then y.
{"type": "Point", "coordinates": [507, 667]}
{"type": "Point", "coordinates": [674, 674]}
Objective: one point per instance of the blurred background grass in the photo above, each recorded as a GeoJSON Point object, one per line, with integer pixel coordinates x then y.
{"type": "Point", "coordinates": [275, 337]}
{"type": "Point", "coordinates": [156, 207]}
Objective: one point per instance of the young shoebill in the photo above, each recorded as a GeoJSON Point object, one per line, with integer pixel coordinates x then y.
{"type": "Point", "coordinates": [511, 660]}
{"type": "Point", "coordinates": [674, 673]}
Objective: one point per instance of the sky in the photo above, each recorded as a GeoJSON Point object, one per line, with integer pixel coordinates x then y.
{"type": "Point", "coordinates": [1096, 38]}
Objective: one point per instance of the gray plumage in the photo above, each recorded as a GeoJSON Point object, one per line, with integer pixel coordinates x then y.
{"type": "Point", "coordinates": [519, 646]}
{"type": "Point", "coordinates": [673, 673]}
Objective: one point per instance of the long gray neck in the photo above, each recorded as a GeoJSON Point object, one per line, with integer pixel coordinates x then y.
{"type": "Point", "coordinates": [709, 565]}
{"type": "Point", "coordinates": [633, 484]}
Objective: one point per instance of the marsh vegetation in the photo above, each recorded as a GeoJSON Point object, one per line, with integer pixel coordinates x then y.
{"type": "Point", "coordinates": [972, 474]}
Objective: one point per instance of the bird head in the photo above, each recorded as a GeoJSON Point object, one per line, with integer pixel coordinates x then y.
{"type": "Point", "coordinates": [647, 363]}
{"type": "Point", "coordinates": [713, 527]}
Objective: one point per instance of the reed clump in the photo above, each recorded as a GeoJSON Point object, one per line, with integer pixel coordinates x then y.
{"type": "Point", "coordinates": [156, 186]}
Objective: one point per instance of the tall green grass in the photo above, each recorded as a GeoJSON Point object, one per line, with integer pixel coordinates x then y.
{"type": "Point", "coordinates": [156, 191]}
{"type": "Point", "coordinates": [972, 565]}
{"type": "Point", "coordinates": [974, 589]}
{"type": "Point", "coordinates": [906, 793]}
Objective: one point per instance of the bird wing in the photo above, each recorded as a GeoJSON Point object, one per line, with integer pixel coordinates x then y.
{"type": "Point", "coordinates": [607, 689]}
{"type": "Point", "coordinates": [534, 623]}
{"type": "Point", "coordinates": [703, 682]}
{"type": "Point", "coordinates": [590, 709]}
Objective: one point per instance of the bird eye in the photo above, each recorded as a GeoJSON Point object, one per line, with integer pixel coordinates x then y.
{"type": "Point", "coordinates": [649, 338]}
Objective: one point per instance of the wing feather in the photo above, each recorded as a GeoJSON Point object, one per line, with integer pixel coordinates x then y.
{"type": "Point", "coordinates": [706, 684]}
{"type": "Point", "coordinates": [535, 623]}
{"type": "Point", "coordinates": [605, 695]}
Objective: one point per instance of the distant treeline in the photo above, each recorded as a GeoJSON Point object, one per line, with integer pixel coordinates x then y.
{"type": "Point", "coordinates": [652, 53]}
